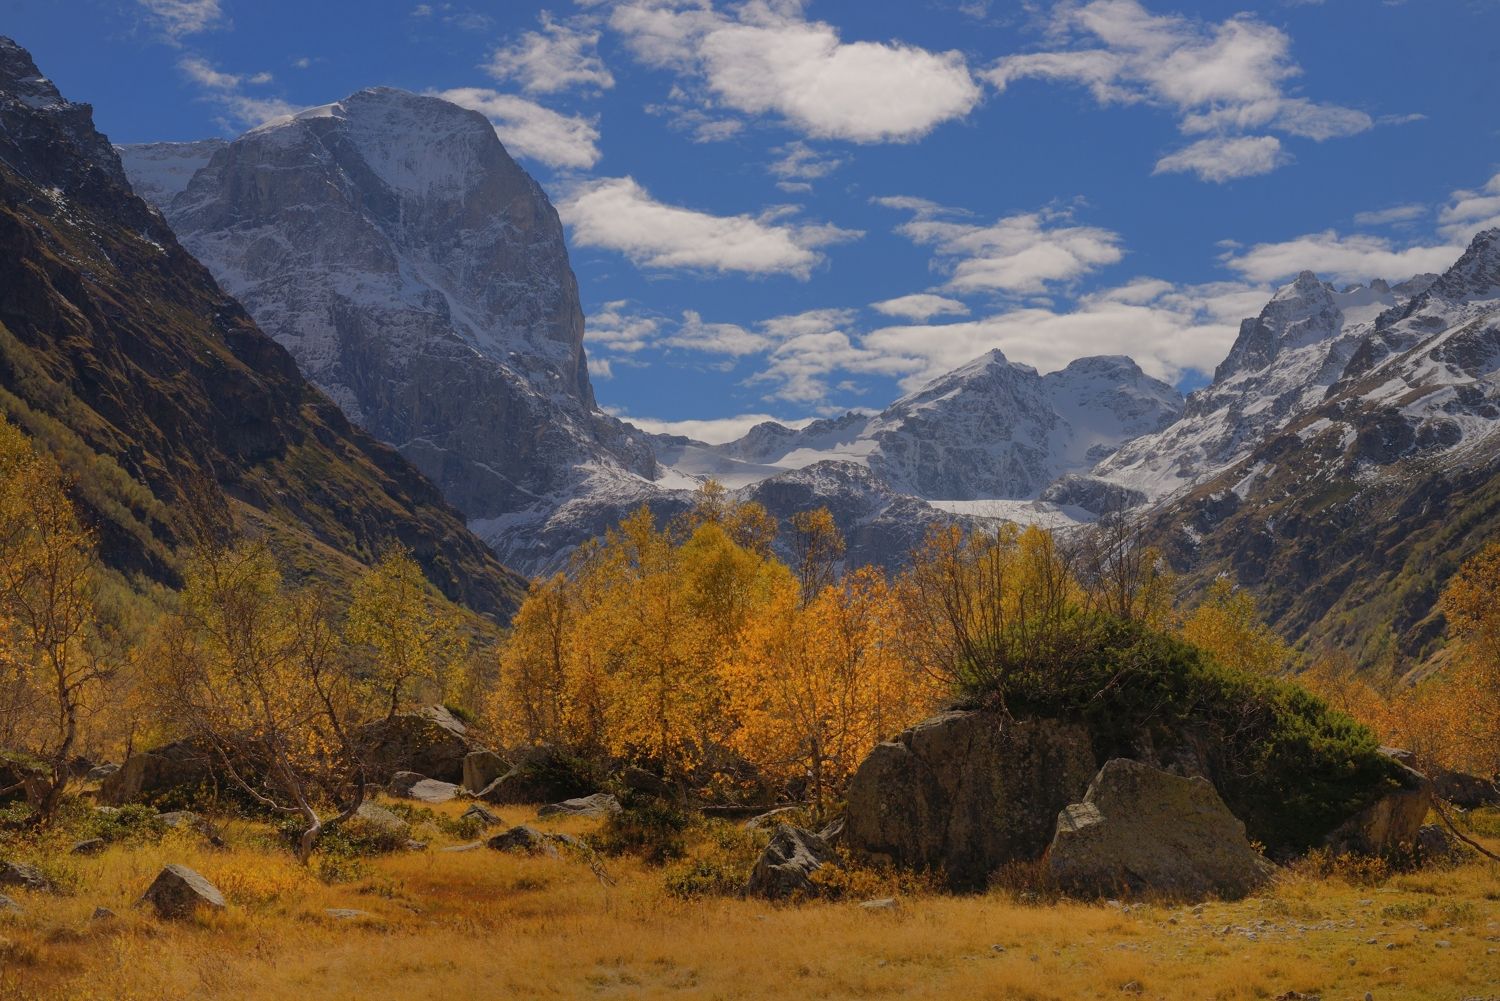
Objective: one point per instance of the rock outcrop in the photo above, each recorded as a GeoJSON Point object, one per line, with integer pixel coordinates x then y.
{"type": "Point", "coordinates": [1141, 830]}
{"type": "Point", "coordinates": [1388, 826]}
{"type": "Point", "coordinates": [600, 804]}
{"type": "Point", "coordinates": [170, 773]}
{"type": "Point", "coordinates": [429, 741]}
{"type": "Point", "coordinates": [179, 892]}
{"type": "Point", "coordinates": [785, 868]}
{"type": "Point", "coordinates": [412, 785]}
{"type": "Point", "coordinates": [967, 792]}
{"type": "Point", "coordinates": [481, 768]}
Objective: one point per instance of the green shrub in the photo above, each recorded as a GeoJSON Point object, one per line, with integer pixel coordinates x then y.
{"type": "Point", "coordinates": [718, 865]}
{"type": "Point", "coordinates": [1288, 765]}
{"type": "Point", "coordinates": [654, 828]}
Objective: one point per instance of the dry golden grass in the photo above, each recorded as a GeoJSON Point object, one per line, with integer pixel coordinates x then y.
{"type": "Point", "coordinates": [482, 924]}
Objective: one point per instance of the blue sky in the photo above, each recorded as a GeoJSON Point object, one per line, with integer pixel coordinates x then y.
{"type": "Point", "coordinates": [795, 208]}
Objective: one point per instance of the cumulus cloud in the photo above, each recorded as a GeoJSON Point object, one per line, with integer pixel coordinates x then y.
{"type": "Point", "coordinates": [767, 59]}
{"type": "Point", "coordinates": [921, 306]}
{"type": "Point", "coordinates": [1468, 212]}
{"type": "Point", "coordinates": [619, 214]}
{"type": "Point", "coordinates": [1220, 79]}
{"type": "Point", "coordinates": [1020, 254]}
{"type": "Point", "coordinates": [530, 130]}
{"type": "Point", "coordinates": [227, 90]}
{"type": "Point", "coordinates": [561, 56]}
{"type": "Point", "coordinates": [797, 164]}
{"type": "Point", "coordinates": [180, 18]}
{"type": "Point", "coordinates": [715, 431]}
{"type": "Point", "coordinates": [1354, 257]}
{"type": "Point", "coordinates": [1223, 159]}
{"type": "Point", "coordinates": [615, 328]}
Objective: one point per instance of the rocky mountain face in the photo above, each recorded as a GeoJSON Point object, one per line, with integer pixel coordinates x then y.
{"type": "Point", "coordinates": [419, 277]}
{"type": "Point", "coordinates": [161, 397]}
{"type": "Point", "coordinates": [1350, 506]}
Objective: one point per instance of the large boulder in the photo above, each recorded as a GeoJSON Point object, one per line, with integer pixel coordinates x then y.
{"type": "Point", "coordinates": [600, 804]}
{"type": "Point", "coordinates": [541, 774]}
{"type": "Point", "coordinates": [1468, 791]}
{"type": "Point", "coordinates": [178, 892]}
{"type": "Point", "coordinates": [785, 868]}
{"type": "Point", "coordinates": [27, 877]}
{"type": "Point", "coordinates": [170, 773]}
{"type": "Point", "coordinates": [967, 792]}
{"type": "Point", "coordinates": [1389, 825]}
{"type": "Point", "coordinates": [481, 768]}
{"type": "Point", "coordinates": [430, 741]}
{"type": "Point", "coordinates": [1140, 829]}
{"type": "Point", "coordinates": [411, 785]}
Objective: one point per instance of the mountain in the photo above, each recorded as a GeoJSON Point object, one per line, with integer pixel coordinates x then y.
{"type": "Point", "coordinates": [160, 396]}
{"type": "Point", "coordinates": [419, 277]}
{"type": "Point", "coordinates": [1348, 507]}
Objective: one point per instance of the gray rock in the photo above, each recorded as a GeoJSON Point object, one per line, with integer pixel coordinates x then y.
{"type": "Point", "coordinates": [431, 742]}
{"type": "Point", "coordinates": [880, 904]}
{"type": "Point", "coordinates": [523, 839]}
{"type": "Point", "coordinates": [1434, 844]}
{"type": "Point", "coordinates": [10, 906]}
{"type": "Point", "coordinates": [540, 775]}
{"type": "Point", "coordinates": [102, 914]}
{"type": "Point", "coordinates": [771, 818]}
{"type": "Point", "coordinates": [386, 822]}
{"type": "Point", "coordinates": [27, 877]}
{"type": "Point", "coordinates": [1470, 792]}
{"type": "Point", "coordinates": [480, 815]}
{"type": "Point", "coordinates": [639, 780]}
{"type": "Point", "coordinates": [175, 769]}
{"type": "Point", "coordinates": [786, 866]}
{"type": "Point", "coordinates": [178, 892]}
{"type": "Point", "coordinates": [101, 772]}
{"type": "Point", "coordinates": [469, 847]}
{"type": "Point", "coordinates": [481, 768]}
{"type": "Point", "coordinates": [347, 913]}
{"type": "Point", "coordinates": [410, 785]}
{"type": "Point", "coordinates": [89, 846]}
{"type": "Point", "coordinates": [1389, 825]}
{"type": "Point", "coordinates": [600, 804]}
{"type": "Point", "coordinates": [1144, 830]}
{"type": "Point", "coordinates": [966, 792]}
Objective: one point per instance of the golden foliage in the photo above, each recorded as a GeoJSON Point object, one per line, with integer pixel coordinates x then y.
{"type": "Point", "coordinates": [1227, 625]}
{"type": "Point", "coordinates": [412, 638]}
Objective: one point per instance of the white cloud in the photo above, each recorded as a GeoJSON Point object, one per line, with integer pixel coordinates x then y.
{"type": "Point", "coordinates": [530, 130]}
{"type": "Point", "coordinates": [1471, 211]}
{"type": "Point", "coordinates": [1017, 254]}
{"type": "Point", "coordinates": [768, 59]}
{"type": "Point", "coordinates": [227, 91]}
{"type": "Point", "coordinates": [1389, 216]}
{"type": "Point", "coordinates": [614, 328]}
{"type": "Point", "coordinates": [179, 18]}
{"type": "Point", "coordinates": [921, 306]}
{"type": "Point", "coordinates": [1355, 257]}
{"type": "Point", "coordinates": [563, 55]}
{"type": "Point", "coordinates": [618, 214]}
{"type": "Point", "coordinates": [599, 368]}
{"type": "Point", "coordinates": [1223, 159]}
{"type": "Point", "coordinates": [715, 431]}
{"type": "Point", "coordinates": [694, 334]}
{"type": "Point", "coordinates": [798, 163]}
{"type": "Point", "coordinates": [1220, 79]}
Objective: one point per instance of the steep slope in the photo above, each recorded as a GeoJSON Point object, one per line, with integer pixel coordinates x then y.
{"type": "Point", "coordinates": [159, 394]}
{"type": "Point", "coordinates": [1350, 517]}
{"type": "Point", "coordinates": [418, 276]}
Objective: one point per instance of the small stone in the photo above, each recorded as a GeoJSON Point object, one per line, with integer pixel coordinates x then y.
{"type": "Point", "coordinates": [1131, 987]}
{"type": "Point", "coordinates": [102, 914]}
{"type": "Point", "coordinates": [600, 804]}
{"type": "Point", "coordinates": [524, 839]}
{"type": "Point", "coordinates": [997, 948]}
{"type": "Point", "coordinates": [1442, 944]}
{"type": "Point", "coordinates": [481, 816]}
{"type": "Point", "coordinates": [8, 905]}
{"type": "Point", "coordinates": [90, 846]}
{"type": "Point", "coordinates": [471, 846]}
{"type": "Point", "coordinates": [27, 877]}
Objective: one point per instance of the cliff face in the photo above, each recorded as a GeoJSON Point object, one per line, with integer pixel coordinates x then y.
{"type": "Point", "coordinates": [161, 397]}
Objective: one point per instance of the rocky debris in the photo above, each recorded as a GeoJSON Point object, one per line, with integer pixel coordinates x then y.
{"type": "Point", "coordinates": [481, 768]}
{"type": "Point", "coordinates": [9, 905]}
{"type": "Point", "coordinates": [1470, 792]}
{"type": "Point", "coordinates": [1144, 830]}
{"type": "Point", "coordinates": [172, 770]}
{"type": "Point", "coordinates": [101, 772]}
{"type": "Point", "coordinates": [542, 774]}
{"type": "Point", "coordinates": [786, 866]}
{"type": "Point", "coordinates": [525, 839]}
{"type": "Point", "coordinates": [178, 892]}
{"type": "Point", "coordinates": [880, 904]}
{"type": "Point", "coordinates": [966, 792]}
{"type": "Point", "coordinates": [1390, 824]}
{"type": "Point", "coordinates": [600, 804]}
{"type": "Point", "coordinates": [429, 741]}
{"type": "Point", "coordinates": [481, 816]}
{"type": "Point", "coordinates": [468, 847]}
{"type": "Point", "coordinates": [27, 877]}
{"type": "Point", "coordinates": [410, 785]}
{"type": "Point", "coordinates": [89, 846]}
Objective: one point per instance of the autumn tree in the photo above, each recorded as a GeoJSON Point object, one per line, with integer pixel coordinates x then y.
{"type": "Point", "coordinates": [817, 547]}
{"type": "Point", "coordinates": [254, 671]}
{"type": "Point", "coordinates": [53, 660]}
{"type": "Point", "coordinates": [534, 700]}
{"type": "Point", "coordinates": [1227, 624]}
{"type": "Point", "coordinates": [412, 638]}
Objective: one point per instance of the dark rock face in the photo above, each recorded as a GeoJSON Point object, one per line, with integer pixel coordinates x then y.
{"type": "Point", "coordinates": [1142, 830]}
{"type": "Point", "coordinates": [1388, 826]}
{"type": "Point", "coordinates": [171, 772]}
{"type": "Point", "coordinates": [527, 840]}
{"type": "Point", "coordinates": [179, 892]}
{"type": "Point", "coordinates": [120, 345]}
{"type": "Point", "coordinates": [430, 742]}
{"type": "Point", "coordinates": [481, 768]}
{"type": "Point", "coordinates": [1467, 791]}
{"type": "Point", "coordinates": [967, 792]}
{"type": "Point", "coordinates": [785, 868]}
